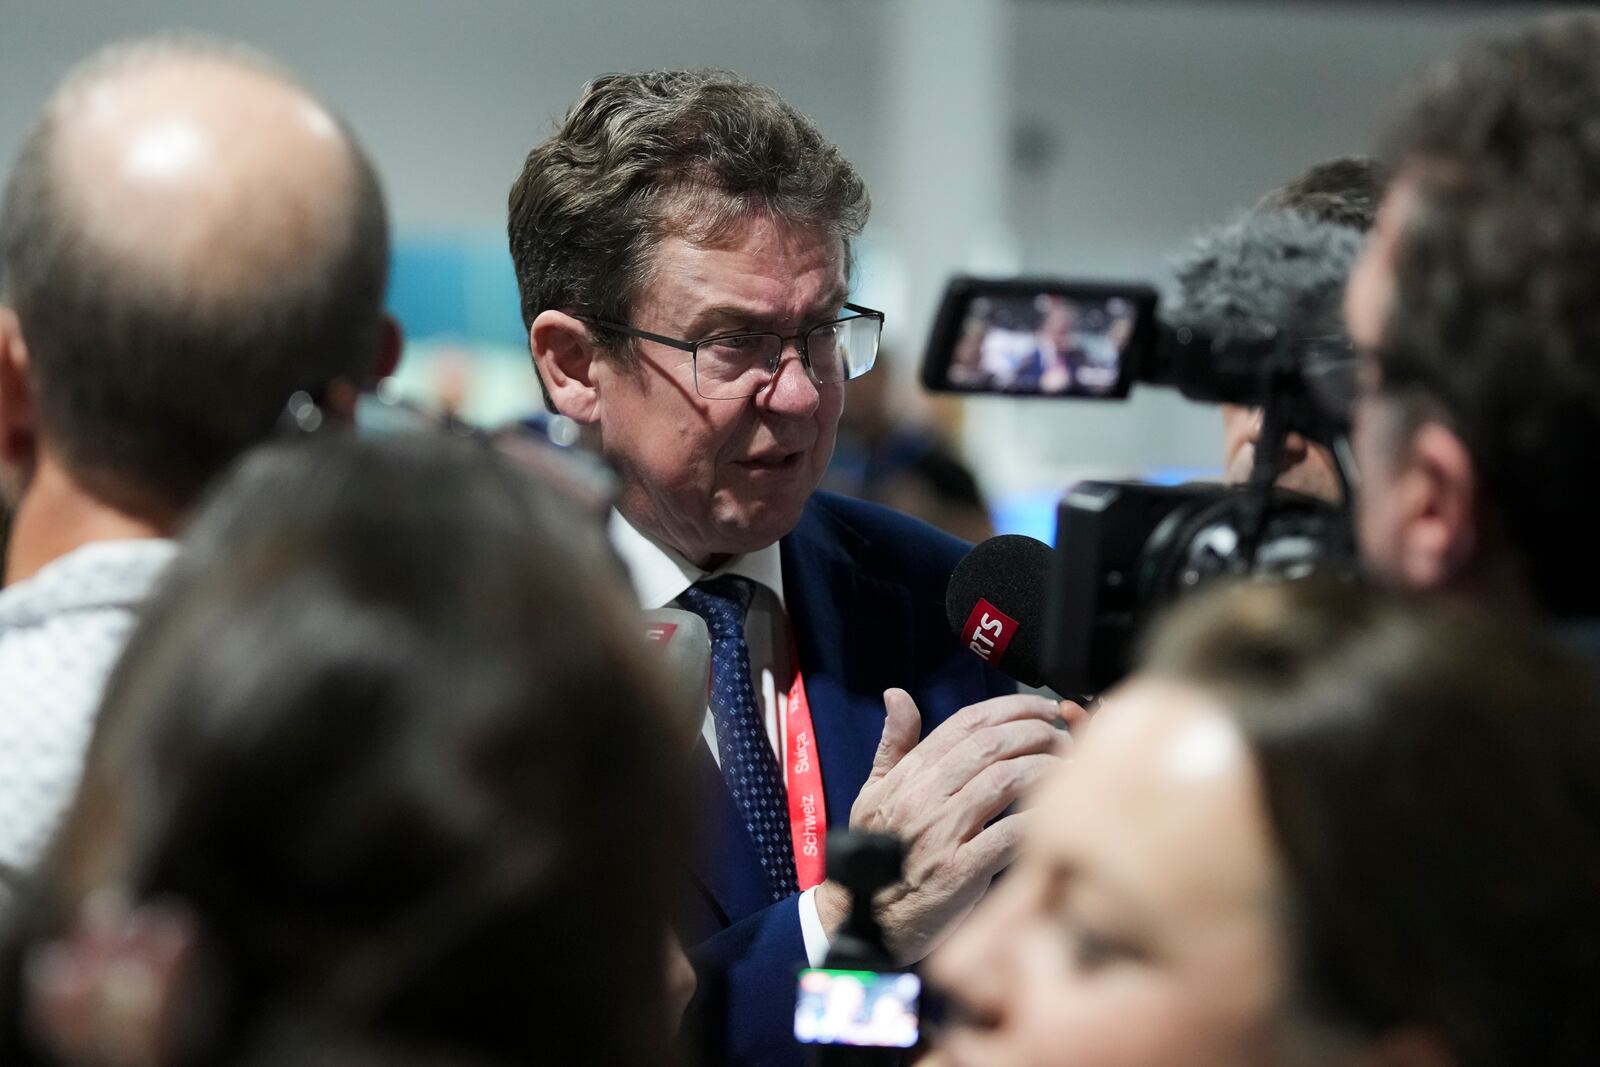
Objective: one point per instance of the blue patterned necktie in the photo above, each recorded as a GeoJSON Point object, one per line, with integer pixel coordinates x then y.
{"type": "Point", "coordinates": [749, 765]}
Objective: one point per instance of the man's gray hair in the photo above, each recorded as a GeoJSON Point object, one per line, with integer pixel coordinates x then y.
{"type": "Point", "coordinates": [648, 155]}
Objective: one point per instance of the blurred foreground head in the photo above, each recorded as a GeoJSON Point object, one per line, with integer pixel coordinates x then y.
{"type": "Point", "coordinates": [186, 238]}
{"type": "Point", "coordinates": [1325, 826]}
{"type": "Point", "coordinates": [1476, 307]}
{"type": "Point", "coordinates": [380, 774]}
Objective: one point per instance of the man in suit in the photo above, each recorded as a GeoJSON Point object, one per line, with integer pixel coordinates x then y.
{"type": "Point", "coordinates": [1058, 352]}
{"type": "Point", "coordinates": [682, 245]}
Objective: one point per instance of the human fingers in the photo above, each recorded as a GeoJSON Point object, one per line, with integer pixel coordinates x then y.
{"type": "Point", "coordinates": [983, 749]}
{"type": "Point", "coordinates": [974, 717]}
{"type": "Point", "coordinates": [993, 849]}
{"type": "Point", "coordinates": [902, 726]}
{"type": "Point", "coordinates": [995, 789]}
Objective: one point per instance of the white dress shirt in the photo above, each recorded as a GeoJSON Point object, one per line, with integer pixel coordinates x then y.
{"type": "Point", "coordinates": [660, 575]}
{"type": "Point", "coordinates": [61, 631]}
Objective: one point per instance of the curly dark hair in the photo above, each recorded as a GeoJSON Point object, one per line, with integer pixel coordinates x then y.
{"type": "Point", "coordinates": [1344, 190]}
{"type": "Point", "coordinates": [642, 156]}
{"type": "Point", "coordinates": [405, 798]}
{"type": "Point", "coordinates": [1496, 328]}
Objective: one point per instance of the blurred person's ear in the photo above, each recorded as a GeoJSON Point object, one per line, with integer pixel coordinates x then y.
{"type": "Point", "coordinates": [1437, 500]}
{"type": "Point", "coordinates": [115, 988]}
{"type": "Point", "coordinates": [19, 440]}
{"type": "Point", "coordinates": [391, 342]}
{"type": "Point", "coordinates": [565, 355]}
{"type": "Point", "coordinates": [340, 396]}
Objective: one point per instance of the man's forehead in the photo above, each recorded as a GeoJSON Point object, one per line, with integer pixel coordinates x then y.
{"type": "Point", "coordinates": [761, 268]}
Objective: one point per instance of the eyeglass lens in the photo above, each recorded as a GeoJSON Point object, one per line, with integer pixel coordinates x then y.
{"type": "Point", "coordinates": [741, 365]}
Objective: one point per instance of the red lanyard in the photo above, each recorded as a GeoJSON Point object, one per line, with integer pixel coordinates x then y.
{"type": "Point", "coordinates": [808, 813]}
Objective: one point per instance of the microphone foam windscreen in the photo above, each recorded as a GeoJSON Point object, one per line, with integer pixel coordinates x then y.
{"type": "Point", "coordinates": [1274, 268]}
{"type": "Point", "coordinates": [995, 604]}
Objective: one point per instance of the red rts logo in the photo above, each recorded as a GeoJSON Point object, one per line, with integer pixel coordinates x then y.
{"type": "Point", "coordinates": [989, 631]}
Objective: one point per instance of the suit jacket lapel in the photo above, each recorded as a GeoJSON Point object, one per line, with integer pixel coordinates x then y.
{"type": "Point", "coordinates": [854, 636]}
{"type": "Point", "coordinates": [725, 862]}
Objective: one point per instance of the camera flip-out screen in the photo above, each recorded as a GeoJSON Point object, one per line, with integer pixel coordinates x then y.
{"type": "Point", "coordinates": [1028, 338]}
{"type": "Point", "coordinates": [867, 1009]}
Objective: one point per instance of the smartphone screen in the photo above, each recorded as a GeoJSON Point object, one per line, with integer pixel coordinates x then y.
{"type": "Point", "coordinates": [1036, 338]}
{"type": "Point", "coordinates": [868, 1009]}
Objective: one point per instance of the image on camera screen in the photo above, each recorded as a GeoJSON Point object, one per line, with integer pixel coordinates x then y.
{"type": "Point", "coordinates": [861, 1008]}
{"type": "Point", "coordinates": [1043, 343]}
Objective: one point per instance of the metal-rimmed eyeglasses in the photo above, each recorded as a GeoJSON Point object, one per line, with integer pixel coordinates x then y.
{"type": "Point", "coordinates": [732, 366]}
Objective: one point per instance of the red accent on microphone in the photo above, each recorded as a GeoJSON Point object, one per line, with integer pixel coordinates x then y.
{"type": "Point", "coordinates": [988, 632]}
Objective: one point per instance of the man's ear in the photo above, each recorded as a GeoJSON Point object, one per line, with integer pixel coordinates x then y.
{"type": "Point", "coordinates": [339, 396]}
{"type": "Point", "coordinates": [566, 354]}
{"type": "Point", "coordinates": [1438, 487]}
{"type": "Point", "coordinates": [391, 341]}
{"type": "Point", "coordinates": [19, 423]}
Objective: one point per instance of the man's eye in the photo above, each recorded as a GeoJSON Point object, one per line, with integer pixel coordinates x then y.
{"type": "Point", "coordinates": [744, 343]}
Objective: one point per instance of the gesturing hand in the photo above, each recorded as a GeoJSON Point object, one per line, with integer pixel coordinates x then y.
{"type": "Point", "coordinates": [937, 796]}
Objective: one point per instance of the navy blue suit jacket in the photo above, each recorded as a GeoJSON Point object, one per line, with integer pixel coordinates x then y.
{"type": "Point", "coordinates": [864, 588]}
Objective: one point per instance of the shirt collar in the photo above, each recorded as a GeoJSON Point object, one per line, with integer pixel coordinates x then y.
{"type": "Point", "coordinates": [96, 576]}
{"type": "Point", "coordinates": [660, 574]}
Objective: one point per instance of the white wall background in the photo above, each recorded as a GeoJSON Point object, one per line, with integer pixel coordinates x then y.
{"type": "Point", "coordinates": [1150, 119]}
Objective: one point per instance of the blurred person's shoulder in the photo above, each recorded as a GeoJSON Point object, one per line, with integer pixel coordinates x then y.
{"type": "Point", "coordinates": [61, 632]}
{"type": "Point", "coordinates": [111, 577]}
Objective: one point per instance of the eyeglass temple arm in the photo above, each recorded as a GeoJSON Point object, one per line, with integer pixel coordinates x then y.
{"type": "Point", "coordinates": [629, 331]}
{"type": "Point", "coordinates": [859, 310]}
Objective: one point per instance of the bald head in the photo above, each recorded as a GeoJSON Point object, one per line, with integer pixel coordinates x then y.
{"type": "Point", "coordinates": [187, 237]}
{"type": "Point", "coordinates": [207, 171]}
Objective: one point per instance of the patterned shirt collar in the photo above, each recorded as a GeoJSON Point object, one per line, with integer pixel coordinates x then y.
{"type": "Point", "coordinates": [93, 577]}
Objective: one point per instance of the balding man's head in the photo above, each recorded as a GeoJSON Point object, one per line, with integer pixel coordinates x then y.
{"type": "Point", "coordinates": [186, 238]}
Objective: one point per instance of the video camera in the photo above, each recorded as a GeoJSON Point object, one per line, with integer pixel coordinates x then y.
{"type": "Point", "coordinates": [1125, 549]}
{"type": "Point", "coordinates": [859, 1009]}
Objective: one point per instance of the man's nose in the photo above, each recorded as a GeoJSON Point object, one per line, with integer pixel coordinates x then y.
{"type": "Point", "coordinates": [791, 392]}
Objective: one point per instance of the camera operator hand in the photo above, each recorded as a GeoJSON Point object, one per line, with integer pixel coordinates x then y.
{"type": "Point", "coordinates": [938, 796]}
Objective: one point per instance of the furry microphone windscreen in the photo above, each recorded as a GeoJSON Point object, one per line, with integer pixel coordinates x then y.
{"type": "Point", "coordinates": [1272, 268]}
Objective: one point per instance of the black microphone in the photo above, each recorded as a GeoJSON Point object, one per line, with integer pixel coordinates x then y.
{"type": "Point", "coordinates": [683, 648]}
{"type": "Point", "coordinates": [996, 604]}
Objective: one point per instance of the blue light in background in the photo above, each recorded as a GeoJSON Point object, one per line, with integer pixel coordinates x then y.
{"type": "Point", "coordinates": [456, 285]}
{"type": "Point", "coordinates": [1034, 513]}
